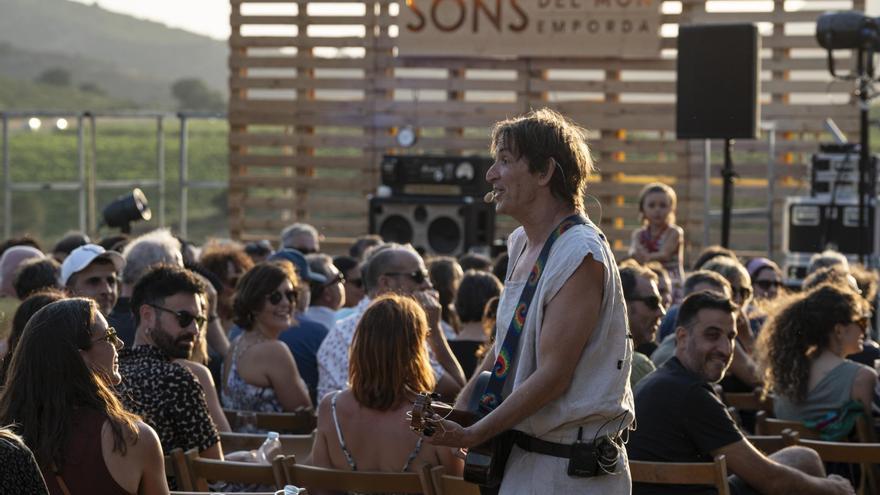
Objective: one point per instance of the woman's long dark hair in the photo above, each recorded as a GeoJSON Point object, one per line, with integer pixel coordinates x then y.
{"type": "Point", "coordinates": [49, 381]}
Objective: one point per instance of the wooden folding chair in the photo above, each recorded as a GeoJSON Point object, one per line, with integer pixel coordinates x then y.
{"type": "Point", "coordinates": [765, 425]}
{"type": "Point", "coordinates": [315, 478]}
{"type": "Point", "coordinates": [682, 473]}
{"type": "Point", "coordinates": [298, 445]}
{"type": "Point", "coordinates": [201, 470]}
{"type": "Point", "coordinates": [748, 401]}
{"type": "Point", "coordinates": [444, 484]}
{"type": "Point", "coordinates": [300, 422]}
{"type": "Point", "coordinates": [865, 454]}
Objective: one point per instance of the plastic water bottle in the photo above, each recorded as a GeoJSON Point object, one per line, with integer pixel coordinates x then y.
{"type": "Point", "coordinates": [270, 448]}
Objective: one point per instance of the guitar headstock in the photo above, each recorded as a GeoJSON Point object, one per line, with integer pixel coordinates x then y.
{"type": "Point", "coordinates": [422, 410]}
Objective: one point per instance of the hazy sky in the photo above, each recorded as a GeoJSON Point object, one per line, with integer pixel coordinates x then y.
{"type": "Point", "coordinates": [211, 17]}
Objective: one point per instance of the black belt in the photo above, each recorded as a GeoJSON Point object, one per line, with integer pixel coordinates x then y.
{"type": "Point", "coordinates": [538, 446]}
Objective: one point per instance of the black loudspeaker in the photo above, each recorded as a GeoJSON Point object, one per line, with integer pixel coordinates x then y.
{"type": "Point", "coordinates": [440, 225]}
{"type": "Point", "coordinates": [436, 175]}
{"type": "Point", "coordinates": [815, 224]}
{"type": "Point", "coordinates": [718, 73]}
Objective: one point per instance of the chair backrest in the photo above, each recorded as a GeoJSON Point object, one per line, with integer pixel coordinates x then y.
{"type": "Point", "coordinates": [865, 454]}
{"type": "Point", "coordinates": [174, 492]}
{"type": "Point", "coordinates": [444, 484]}
{"type": "Point", "coordinates": [300, 422]}
{"type": "Point", "coordinates": [682, 473]}
{"type": "Point", "coordinates": [201, 470]}
{"type": "Point", "coordinates": [315, 478]}
{"type": "Point", "coordinates": [298, 445]}
{"type": "Point", "coordinates": [748, 401]}
{"type": "Point", "coordinates": [765, 425]}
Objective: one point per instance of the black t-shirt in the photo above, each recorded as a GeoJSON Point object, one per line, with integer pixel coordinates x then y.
{"type": "Point", "coordinates": [678, 419]}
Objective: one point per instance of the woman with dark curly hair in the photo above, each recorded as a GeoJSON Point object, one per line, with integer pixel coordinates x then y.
{"type": "Point", "coordinates": [360, 428]}
{"type": "Point", "coordinates": [803, 348]}
{"type": "Point", "coordinates": [260, 373]}
{"type": "Point", "coordinates": [58, 397]}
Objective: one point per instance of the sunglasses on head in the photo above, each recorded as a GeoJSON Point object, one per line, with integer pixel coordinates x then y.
{"type": "Point", "coordinates": [276, 297]}
{"type": "Point", "coordinates": [652, 302]}
{"type": "Point", "coordinates": [417, 276]}
{"type": "Point", "coordinates": [768, 284]}
{"type": "Point", "coordinates": [184, 318]}
{"type": "Point", "coordinates": [110, 337]}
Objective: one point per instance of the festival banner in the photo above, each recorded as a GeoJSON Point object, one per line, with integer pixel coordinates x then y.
{"type": "Point", "coordinates": [534, 28]}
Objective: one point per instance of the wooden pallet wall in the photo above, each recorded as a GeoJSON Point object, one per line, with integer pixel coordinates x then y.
{"type": "Point", "coordinates": [317, 93]}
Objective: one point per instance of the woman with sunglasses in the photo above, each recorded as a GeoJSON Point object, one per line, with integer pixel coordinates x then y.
{"type": "Point", "coordinates": [260, 373]}
{"type": "Point", "coordinates": [58, 396]}
{"type": "Point", "coordinates": [803, 351]}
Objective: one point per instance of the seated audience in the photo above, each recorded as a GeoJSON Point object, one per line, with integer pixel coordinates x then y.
{"type": "Point", "coordinates": [326, 297]}
{"type": "Point", "coordinates": [228, 262]}
{"type": "Point", "coordinates": [697, 281]}
{"type": "Point", "coordinates": [36, 274]}
{"type": "Point", "coordinates": [829, 257]}
{"type": "Point", "coordinates": [363, 244]}
{"type": "Point", "coordinates": [353, 284]}
{"type": "Point", "coordinates": [390, 268]}
{"type": "Point", "coordinates": [664, 283]}
{"type": "Point", "coordinates": [766, 277]}
{"type": "Point", "coordinates": [259, 372]}
{"type": "Point", "coordinates": [681, 419]}
{"type": "Point", "coordinates": [82, 438]}
{"type": "Point", "coordinates": [10, 261]}
{"type": "Point", "coordinates": [710, 253]}
{"type": "Point", "coordinates": [302, 237]}
{"type": "Point", "coordinates": [475, 261]}
{"type": "Point", "coordinates": [22, 315]}
{"type": "Point", "coordinates": [70, 241]}
{"type": "Point", "coordinates": [360, 428]}
{"type": "Point", "coordinates": [152, 248]}
{"type": "Point", "coordinates": [475, 290]}
{"type": "Point", "coordinates": [259, 251]}
{"type": "Point", "coordinates": [446, 275]}
{"type": "Point", "coordinates": [19, 472]}
{"type": "Point", "coordinates": [90, 271]}
{"type": "Point", "coordinates": [644, 309]}
{"type": "Point", "coordinates": [803, 350]}
{"type": "Point", "coordinates": [168, 312]}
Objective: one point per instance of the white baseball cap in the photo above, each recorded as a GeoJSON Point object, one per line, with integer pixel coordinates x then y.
{"type": "Point", "coordinates": [83, 256]}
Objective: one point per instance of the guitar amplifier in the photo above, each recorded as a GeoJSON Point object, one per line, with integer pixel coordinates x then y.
{"type": "Point", "coordinates": [815, 224]}
{"type": "Point", "coordinates": [836, 169]}
{"type": "Point", "coordinates": [432, 175]}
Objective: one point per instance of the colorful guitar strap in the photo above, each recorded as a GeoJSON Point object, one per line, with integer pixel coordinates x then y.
{"type": "Point", "coordinates": [491, 397]}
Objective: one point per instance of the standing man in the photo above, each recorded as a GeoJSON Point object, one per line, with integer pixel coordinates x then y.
{"type": "Point", "coordinates": [568, 378]}
{"type": "Point", "coordinates": [90, 271]}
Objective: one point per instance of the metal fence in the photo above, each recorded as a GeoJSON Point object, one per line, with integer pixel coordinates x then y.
{"type": "Point", "coordinates": [87, 183]}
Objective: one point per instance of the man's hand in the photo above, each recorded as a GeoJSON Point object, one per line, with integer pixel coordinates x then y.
{"type": "Point", "coordinates": [840, 485]}
{"type": "Point", "coordinates": [430, 302]}
{"type": "Point", "coordinates": [442, 432]}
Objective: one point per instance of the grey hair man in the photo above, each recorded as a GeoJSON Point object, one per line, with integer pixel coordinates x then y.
{"type": "Point", "coordinates": [302, 237]}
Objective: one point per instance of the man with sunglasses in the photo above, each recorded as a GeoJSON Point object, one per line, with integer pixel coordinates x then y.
{"type": "Point", "coordinates": [390, 268]}
{"type": "Point", "coordinates": [644, 310]}
{"type": "Point", "coordinates": [167, 302]}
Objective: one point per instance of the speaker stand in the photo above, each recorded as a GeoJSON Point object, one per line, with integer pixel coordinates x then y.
{"type": "Point", "coordinates": [728, 176]}
{"type": "Point", "coordinates": [866, 175]}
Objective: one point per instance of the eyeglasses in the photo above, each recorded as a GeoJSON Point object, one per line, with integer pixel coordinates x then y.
{"type": "Point", "coordinates": [652, 302]}
{"type": "Point", "coordinates": [275, 297]}
{"type": "Point", "coordinates": [111, 338]}
{"type": "Point", "coordinates": [418, 276]}
{"type": "Point", "coordinates": [863, 323]}
{"type": "Point", "coordinates": [768, 284]}
{"type": "Point", "coordinates": [184, 318]}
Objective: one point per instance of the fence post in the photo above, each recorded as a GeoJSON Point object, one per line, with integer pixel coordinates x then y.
{"type": "Point", "coordinates": [7, 189]}
{"type": "Point", "coordinates": [184, 175]}
{"type": "Point", "coordinates": [160, 164]}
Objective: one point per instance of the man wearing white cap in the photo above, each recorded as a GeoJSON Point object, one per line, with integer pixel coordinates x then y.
{"type": "Point", "coordinates": [91, 271]}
